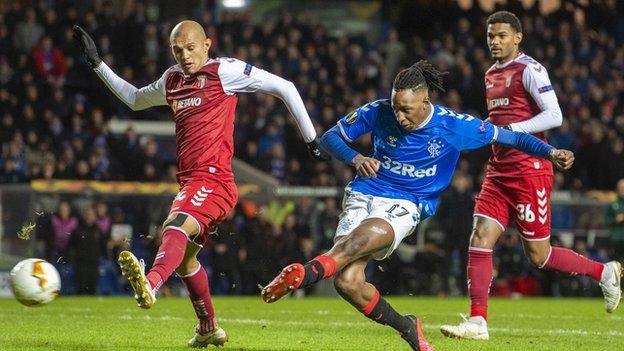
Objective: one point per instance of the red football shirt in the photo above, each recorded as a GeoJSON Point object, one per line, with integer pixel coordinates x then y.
{"type": "Point", "coordinates": [515, 92]}
{"type": "Point", "coordinates": [203, 106]}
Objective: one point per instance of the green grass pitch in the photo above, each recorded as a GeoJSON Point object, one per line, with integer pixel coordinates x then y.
{"type": "Point", "coordinates": [303, 324]}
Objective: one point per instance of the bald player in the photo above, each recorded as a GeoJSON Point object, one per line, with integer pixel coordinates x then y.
{"type": "Point", "coordinates": [202, 93]}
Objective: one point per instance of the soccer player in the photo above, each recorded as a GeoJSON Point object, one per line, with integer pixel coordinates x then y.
{"type": "Point", "coordinates": [517, 186]}
{"type": "Point", "coordinates": [202, 93]}
{"type": "Point", "coordinates": [416, 148]}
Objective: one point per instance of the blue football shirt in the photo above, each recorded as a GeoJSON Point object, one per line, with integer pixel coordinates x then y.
{"type": "Point", "coordinates": [415, 165]}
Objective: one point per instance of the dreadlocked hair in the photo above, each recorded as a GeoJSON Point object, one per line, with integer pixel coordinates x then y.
{"type": "Point", "coordinates": [422, 74]}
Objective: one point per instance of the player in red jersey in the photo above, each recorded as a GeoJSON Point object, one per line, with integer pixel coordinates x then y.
{"type": "Point", "coordinates": [517, 186]}
{"type": "Point", "coordinates": [202, 93]}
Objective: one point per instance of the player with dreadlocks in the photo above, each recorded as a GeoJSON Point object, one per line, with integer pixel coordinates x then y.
{"type": "Point", "coordinates": [416, 146]}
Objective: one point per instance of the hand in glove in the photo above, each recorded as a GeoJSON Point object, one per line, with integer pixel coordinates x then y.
{"type": "Point", "coordinates": [89, 50]}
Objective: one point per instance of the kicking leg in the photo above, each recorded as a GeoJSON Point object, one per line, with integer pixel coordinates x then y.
{"type": "Point", "coordinates": [351, 284]}
{"type": "Point", "coordinates": [177, 228]}
{"type": "Point", "coordinates": [195, 278]}
{"type": "Point", "coordinates": [370, 236]}
{"type": "Point", "coordinates": [608, 275]}
{"type": "Point", "coordinates": [485, 233]}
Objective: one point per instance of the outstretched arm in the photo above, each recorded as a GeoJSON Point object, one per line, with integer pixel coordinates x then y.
{"type": "Point", "coordinates": [469, 133]}
{"type": "Point", "coordinates": [241, 77]}
{"type": "Point", "coordinates": [136, 99]}
{"type": "Point", "coordinates": [562, 159]}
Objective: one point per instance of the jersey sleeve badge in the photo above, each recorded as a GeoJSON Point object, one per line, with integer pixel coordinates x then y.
{"type": "Point", "coordinates": [352, 117]}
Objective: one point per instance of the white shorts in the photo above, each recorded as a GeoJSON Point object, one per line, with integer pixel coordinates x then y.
{"type": "Point", "coordinates": [402, 215]}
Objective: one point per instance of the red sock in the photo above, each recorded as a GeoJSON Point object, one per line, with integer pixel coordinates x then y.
{"type": "Point", "coordinates": [568, 261]}
{"type": "Point", "coordinates": [371, 305]}
{"type": "Point", "coordinates": [199, 293]}
{"type": "Point", "coordinates": [328, 263]}
{"type": "Point", "coordinates": [479, 280]}
{"type": "Point", "coordinates": [318, 268]}
{"type": "Point", "coordinates": [169, 256]}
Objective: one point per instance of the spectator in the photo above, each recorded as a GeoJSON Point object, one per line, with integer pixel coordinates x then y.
{"type": "Point", "coordinates": [28, 32]}
{"type": "Point", "coordinates": [50, 62]}
{"type": "Point", "coordinates": [615, 222]}
{"type": "Point", "coordinates": [455, 217]}
{"type": "Point", "coordinates": [63, 224]}
{"type": "Point", "coordinates": [86, 247]}
{"type": "Point", "coordinates": [395, 53]}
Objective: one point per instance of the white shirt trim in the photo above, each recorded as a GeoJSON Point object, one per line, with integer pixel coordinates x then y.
{"type": "Point", "coordinates": [428, 119]}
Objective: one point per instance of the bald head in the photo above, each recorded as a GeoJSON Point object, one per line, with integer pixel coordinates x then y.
{"type": "Point", "coordinates": [189, 45]}
{"type": "Point", "coordinates": [188, 28]}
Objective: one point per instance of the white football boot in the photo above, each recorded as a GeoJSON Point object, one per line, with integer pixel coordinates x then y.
{"type": "Point", "coordinates": [134, 271]}
{"type": "Point", "coordinates": [610, 285]}
{"type": "Point", "coordinates": [217, 337]}
{"type": "Point", "coordinates": [474, 328]}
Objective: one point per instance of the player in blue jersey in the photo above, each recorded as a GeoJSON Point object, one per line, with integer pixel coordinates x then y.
{"type": "Point", "coordinates": [416, 146]}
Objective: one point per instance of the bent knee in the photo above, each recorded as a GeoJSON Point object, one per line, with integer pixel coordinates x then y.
{"type": "Point", "coordinates": [183, 222]}
{"type": "Point", "coordinates": [484, 235]}
{"type": "Point", "coordinates": [187, 267]}
{"type": "Point", "coordinates": [538, 259]}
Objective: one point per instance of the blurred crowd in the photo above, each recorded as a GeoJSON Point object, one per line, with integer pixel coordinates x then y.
{"type": "Point", "coordinates": [54, 110]}
{"type": "Point", "coordinates": [54, 115]}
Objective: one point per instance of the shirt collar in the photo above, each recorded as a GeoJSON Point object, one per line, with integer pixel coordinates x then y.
{"type": "Point", "coordinates": [427, 120]}
{"type": "Point", "coordinates": [503, 65]}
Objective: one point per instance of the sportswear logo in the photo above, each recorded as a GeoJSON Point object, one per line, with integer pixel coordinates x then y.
{"type": "Point", "coordinates": [489, 85]}
{"type": "Point", "coordinates": [542, 201]}
{"type": "Point", "coordinates": [392, 140]}
{"type": "Point", "coordinates": [181, 196]}
{"type": "Point", "coordinates": [200, 196]}
{"type": "Point", "coordinates": [444, 111]}
{"type": "Point", "coordinates": [538, 68]}
{"type": "Point", "coordinates": [616, 281]}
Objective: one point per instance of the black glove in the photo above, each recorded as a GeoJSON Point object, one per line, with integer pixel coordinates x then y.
{"type": "Point", "coordinates": [317, 152]}
{"type": "Point", "coordinates": [89, 50]}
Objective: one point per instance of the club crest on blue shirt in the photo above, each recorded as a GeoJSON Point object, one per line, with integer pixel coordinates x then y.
{"type": "Point", "coordinates": [434, 147]}
{"type": "Point", "coordinates": [392, 140]}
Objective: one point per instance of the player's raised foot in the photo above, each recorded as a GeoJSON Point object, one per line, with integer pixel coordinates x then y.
{"type": "Point", "coordinates": [217, 337]}
{"type": "Point", "coordinates": [288, 280]}
{"type": "Point", "coordinates": [415, 337]}
{"type": "Point", "coordinates": [610, 285]}
{"type": "Point", "coordinates": [134, 271]}
{"type": "Point", "coordinates": [474, 328]}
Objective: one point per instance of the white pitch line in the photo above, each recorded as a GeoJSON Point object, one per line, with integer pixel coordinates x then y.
{"type": "Point", "coordinates": [575, 332]}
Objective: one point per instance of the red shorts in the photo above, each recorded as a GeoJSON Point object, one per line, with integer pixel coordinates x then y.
{"type": "Point", "coordinates": [207, 202]}
{"type": "Point", "coordinates": [526, 200]}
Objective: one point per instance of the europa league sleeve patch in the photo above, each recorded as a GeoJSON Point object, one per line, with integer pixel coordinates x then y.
{"type": "Point", "coordinates": [247, 70]}
{"type": "Point", "coordinates": [352, 117]}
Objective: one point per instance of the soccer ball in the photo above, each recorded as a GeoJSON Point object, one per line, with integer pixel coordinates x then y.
{"type": "Point", "coordinates": [34, 282]}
